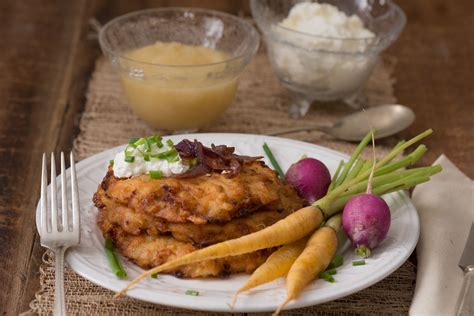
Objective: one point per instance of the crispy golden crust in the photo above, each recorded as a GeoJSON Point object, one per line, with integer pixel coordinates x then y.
{"type": "Point", "coordinates": [203, 199]}
{"type": "Point", "coordinates": [150, 251]}
{"type": "Point", "coordinates": [136, 223]}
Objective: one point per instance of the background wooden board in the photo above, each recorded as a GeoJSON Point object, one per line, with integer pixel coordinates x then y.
{"type": "Point", "coordinates": [45, 63]}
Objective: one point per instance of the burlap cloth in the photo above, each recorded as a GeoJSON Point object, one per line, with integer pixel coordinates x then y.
{"type": "Point", "coordinates": [261, 106]}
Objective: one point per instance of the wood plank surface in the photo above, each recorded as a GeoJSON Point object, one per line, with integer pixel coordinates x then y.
{"type": "Point", "coordinates": [46, 60]}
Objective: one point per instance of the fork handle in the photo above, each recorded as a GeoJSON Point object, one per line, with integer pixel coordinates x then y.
{"type": "Point", "coordinates": [59, 305]}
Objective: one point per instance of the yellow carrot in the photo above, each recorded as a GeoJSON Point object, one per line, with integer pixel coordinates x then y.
{"type": "Point", "coordinates": [295, 226]}
{"type": "Point", "coordinates": [276, 266]}
{"type": "Point", "coordinates": [314, 259]}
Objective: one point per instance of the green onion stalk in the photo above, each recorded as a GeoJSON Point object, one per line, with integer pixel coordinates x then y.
{"type": "Point", "coordinates": [113, 260]}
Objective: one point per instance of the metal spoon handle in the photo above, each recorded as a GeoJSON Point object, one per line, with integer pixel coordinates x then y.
{"type": "Point", "coordinates": [289, 130]}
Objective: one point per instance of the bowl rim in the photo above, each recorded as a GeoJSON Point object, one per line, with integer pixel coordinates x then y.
{"type": "Point", "coordinates": [249, 51]}
{"type": "Point", "coordinates": [396, 30]}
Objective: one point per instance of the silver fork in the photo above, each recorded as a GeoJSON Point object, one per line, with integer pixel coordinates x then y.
{"type": "Point", "coordinates": [56, 233]}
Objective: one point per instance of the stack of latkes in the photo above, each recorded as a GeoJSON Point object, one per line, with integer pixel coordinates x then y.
{"type": "Point", "coordinates": [152, 221]}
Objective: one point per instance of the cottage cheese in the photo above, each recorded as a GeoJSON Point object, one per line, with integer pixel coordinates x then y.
{"type": "Point", "coordinates": [326, 56]}
{"type": "Point", "coordinates": [325, 20]}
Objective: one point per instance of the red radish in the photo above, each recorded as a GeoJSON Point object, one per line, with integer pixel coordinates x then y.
{"type": "Point", "coordinates": [366, 218]}
{"type": "Point", "coordinates": [310, 177]}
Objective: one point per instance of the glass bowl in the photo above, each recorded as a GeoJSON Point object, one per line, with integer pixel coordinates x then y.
{"type": "Point", "coordinates": [174, 96]}
{"type": "Point", "coordinates": [321, 68]}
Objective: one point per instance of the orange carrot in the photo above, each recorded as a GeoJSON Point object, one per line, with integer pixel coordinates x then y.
{"type": "Point", "coordinates": [276, 266]}
{"type": "Point", "coordinates": [314, 259]}
{"type": "Point", "coordinates": [295, 226]}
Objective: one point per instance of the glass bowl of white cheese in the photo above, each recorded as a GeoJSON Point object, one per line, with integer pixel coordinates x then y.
{"type": "Point", "coordinates": [326, 50]}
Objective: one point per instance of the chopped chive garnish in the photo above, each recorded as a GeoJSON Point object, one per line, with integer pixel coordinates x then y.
{"type": "Point", "coordinates": [154, 275]}
{"type": "Point", "coordinates": [358, 262]}
{"type": "Point", "coordinates": [133, 140]}
{"type": "Point", "coordinates": [146, 158]}
{"type": "Point", "coordinates": [111, 162]}
{"type": "Point", "coordinates": [127, 150]}
{"type": "Point", "coordinates": [169, 142]}
{"type": "Point", "coordinates": [336, 262]}
{"type": "Point", "coordinates": [331, 271]}
{"type": "Point", "coordinates": [273, 161]}
{"type": "Point", "coordinates": [326, 276]}
{"type": "Point", "coordinates": [129, 159]}
{"type": "Point", "coordinates": [139, 142]}
{"type": "Point", "coordinates": [170, 155]}
{"type": "Point", "coordinates": [113, 260]}
{"type": "Point", "coordinates": [174, 158]}
{"type": "Point", "coordinates": [159, 144]}
{"type": "Point", "coordinates": [147, 145]}
{"type": "Point", "coordinates": [155, 174]}
{"type": "Point", "coordinates": [192, 293]}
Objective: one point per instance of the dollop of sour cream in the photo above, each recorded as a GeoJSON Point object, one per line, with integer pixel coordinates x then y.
{"type": "Point", "coordinates": [140, 166]}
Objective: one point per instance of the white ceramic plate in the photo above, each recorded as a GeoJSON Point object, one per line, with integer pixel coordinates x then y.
{"type": "Point", "coordinates": [89, 260]}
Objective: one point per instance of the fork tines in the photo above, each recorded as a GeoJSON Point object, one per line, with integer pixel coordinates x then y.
{"type": "Point", "coordinates": [51, 224]}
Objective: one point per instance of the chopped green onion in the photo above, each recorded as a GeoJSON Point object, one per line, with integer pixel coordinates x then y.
{"type": "Point", "coordinates": [358, 262]}
{"type": "Point", "coordinates": [139, 142]}
{"type": "Point", "coordinates": [326, 276]}
{"type": "Point", "coordinates": [192, 293]}
{"type": "Point", "coordinates": [338, 261]}
{"type": "Point", "coordinates": [273, 161]}
{"type": "Point", "coordinates": [156, 174]}
{"type": "Point", "coordinates": [155, 138]}
{"type": "Point", "coordinates": [147, 144]}
{"type": "Point", "coordinates": [146, 158]}
{"type": "Point", "coordinates": [169, 142]}
{"type": "Point", "coordinates": [111, 162]}
{"type": "Point", "coordinates": [170, 155]}
{"type": "Point", "coordinates": [331, 271]}
{"type": "Point", "coordinates": [113, 260]}
{"type": "Point", "coordinates": [154, 275]}
{"type": "Point", "coordinates": [129, 159]}
{"type": "Point", "coordinates": [133, 140]}
{"type": "Point", "coordinates": [174, 158]}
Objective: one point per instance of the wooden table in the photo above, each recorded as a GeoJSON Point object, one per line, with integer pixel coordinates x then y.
{"type": "Point", "coordinates": [46, 60]}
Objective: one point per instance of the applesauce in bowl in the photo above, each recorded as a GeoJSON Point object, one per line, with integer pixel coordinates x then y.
{"type": "Point", "coordinates": [179, 67]}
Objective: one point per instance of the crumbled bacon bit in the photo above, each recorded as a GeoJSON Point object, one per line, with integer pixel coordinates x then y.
{"type": "Point", "coordinates": [219, 158]}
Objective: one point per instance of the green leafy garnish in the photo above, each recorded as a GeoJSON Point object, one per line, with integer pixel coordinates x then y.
{"type": "Point", "coordinates": [129, 159]}
{"type": "Point", "coordinates": [326, 276]}
{"type": "Point", "coordinates": [331, 271]}
{"type": "Point", "coordinates": [192, 293]}
{"type": "Point", "coordinates": [133, 140]}
{"type": "Point", "coordinates": [273, 161]}
{"type": "Point", "coordinates": [156, 174]}
{"type": "Point", "coordinates": [336, 262]}
{"type": "Point", "coordinates": [113, 260]}
{"type": "Point", "coordinates": [358, 263]}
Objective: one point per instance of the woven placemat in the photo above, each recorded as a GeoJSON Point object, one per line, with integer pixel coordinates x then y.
{"type": "Point", "coordinates": [261, 105]}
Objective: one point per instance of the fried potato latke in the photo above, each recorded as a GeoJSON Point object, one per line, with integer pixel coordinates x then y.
{"type": "Point", "coordinates": [212, 198]}
{"type": "Point", "coordinates": [149, 251]}
{"type": "Point", "coordinates": [137, 223]}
